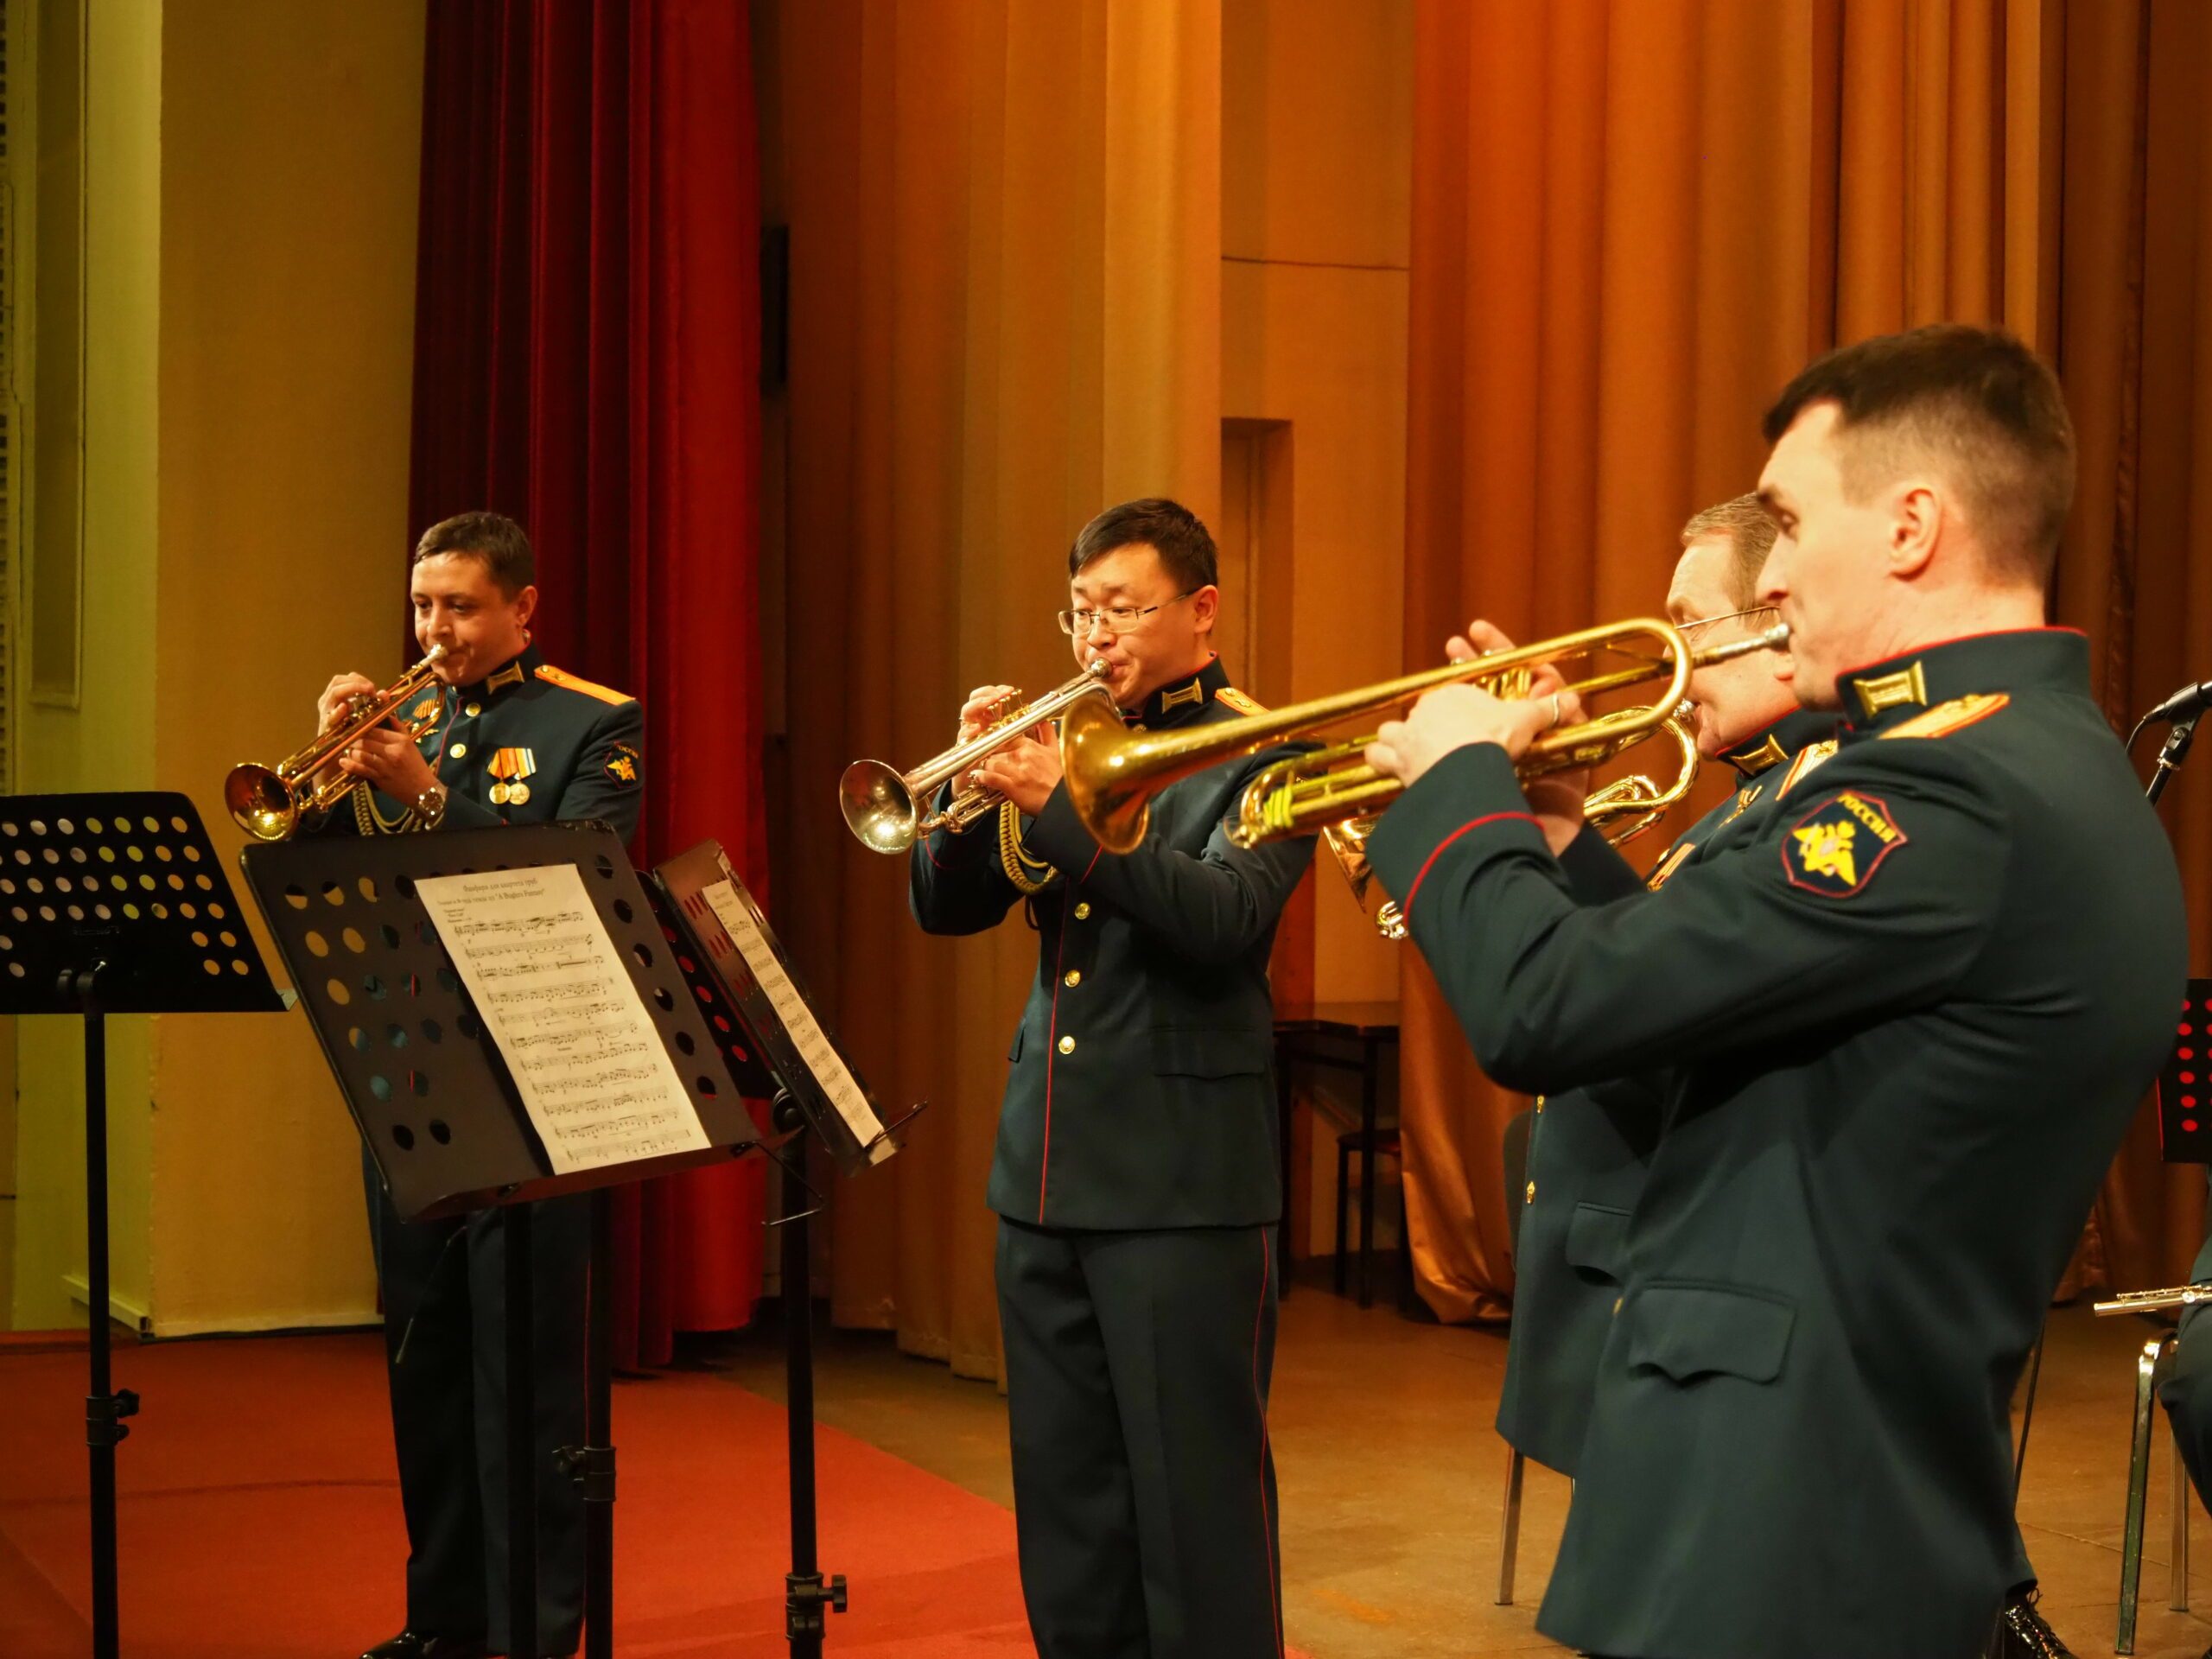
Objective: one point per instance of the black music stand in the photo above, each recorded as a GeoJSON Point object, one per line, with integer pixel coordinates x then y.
{"type": "Point", "coordinates": [440, 1111]}
{"type": "Point", "coordinates": [814, 1085]}
{"type": "Point", "coordinates": [114, 904]}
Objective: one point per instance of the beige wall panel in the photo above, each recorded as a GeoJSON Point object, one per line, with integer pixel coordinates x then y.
{"type": "Point", "coordinates": [289, 152]}
{"type": "Point", "coordinates": [1325, 349]}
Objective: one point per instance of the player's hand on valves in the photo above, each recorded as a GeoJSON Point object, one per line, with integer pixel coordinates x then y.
{"type": "Point", "coordinates": [338, 696]}
{"type": "Point", "coordinates": [1026, 772]}
{"type": "Point", "coordinates": [1454, 716]}
{"type": "Point", "coordinates": [388, 760]}
{"type": "Point", "coordinates": [1556, 798]}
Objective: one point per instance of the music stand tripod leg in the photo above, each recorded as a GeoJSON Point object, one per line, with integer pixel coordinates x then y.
{"type": "Point", "coordinates": [517, 1221]}
{"type": "Point", "coordinates": [808, 1597]}
{"type": "Point", "coordinates": [591, 1465]}
{"type": "Point", "coordinates": [105, 1407]}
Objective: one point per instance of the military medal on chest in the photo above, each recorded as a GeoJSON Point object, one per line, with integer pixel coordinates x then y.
{"type": "Point", "coordinates": [509, 767]}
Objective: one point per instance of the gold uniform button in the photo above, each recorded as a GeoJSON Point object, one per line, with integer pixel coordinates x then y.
{"type": "Point", "coordinates": [474, 709]}
{"type": "Point", "coordinates": [1617, 1300]}
{"type": "Point", "coordinates": [1083, 912]}
{"type": "Point", "coordinates": [1540, 1105]}
{"type": "Point", "coordinates": [1067, 1045]}
{"type": "Point", "coordinates": [1073, 978]}
{"type": "Point", "coordinates": [1532, 1192]}
{"type": "Point", "coordinates": [460, 751]}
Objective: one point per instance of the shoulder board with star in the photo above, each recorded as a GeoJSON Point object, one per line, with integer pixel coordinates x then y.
{"type": "Point", "coordinates": [1229, 696]}
{"type": "Point", "coordinates": [1948, 717]}
{"type": "Point", "coordinates": [561, 678]}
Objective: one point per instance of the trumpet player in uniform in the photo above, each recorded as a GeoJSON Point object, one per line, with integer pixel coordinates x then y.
{"type": "Point", "coordinates": [1135, 1177]}
{"type": "Point", "coordinates": [1591, 1148]}
{"type": "Point", "coordinates": [500, 736]}
{"type": "Point", "coordinates": [1894, 1071]}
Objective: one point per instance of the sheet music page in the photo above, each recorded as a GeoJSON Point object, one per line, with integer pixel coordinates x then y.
{"type": "Point", "coordinates": [557, 997]}
{"type": "Point", "coordinates": [812, 1042]}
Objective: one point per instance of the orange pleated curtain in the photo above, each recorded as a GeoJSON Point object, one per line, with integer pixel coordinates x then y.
{"type": "Point", "coordinates": [1632, 222]}
{"type": "Point", "coordinates": [1006, 278]}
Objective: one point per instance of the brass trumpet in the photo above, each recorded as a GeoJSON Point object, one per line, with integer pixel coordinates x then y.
{"type": "Point", "coordinates": [884, 806]}
{"type": "Point", "coordinates": [1112, 773]}
{"type": "Point", "coordinates": [1347, 842]}
{"type": "Point", "coordinates": [1639, 794]}
{"type": "Point", "coordinates": [268, 801]}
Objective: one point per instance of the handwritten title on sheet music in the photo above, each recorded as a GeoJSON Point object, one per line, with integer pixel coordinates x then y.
{"type": "Point", "coordinates": [554, 991]}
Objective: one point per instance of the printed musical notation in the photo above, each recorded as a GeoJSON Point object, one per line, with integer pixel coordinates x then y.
{"type": "Point", "coordinates": [814, 1048]}
{"type": "Point", "coordinates": [554, 992]}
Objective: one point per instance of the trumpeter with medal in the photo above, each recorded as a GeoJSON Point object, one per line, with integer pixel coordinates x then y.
{"type": "Point", "coordinates": [503, 737]}
{"type": "Point", "coordinates": [1135, 1178]}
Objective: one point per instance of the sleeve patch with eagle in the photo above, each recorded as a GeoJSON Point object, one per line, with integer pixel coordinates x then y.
{"type": "Point", "coordinates": [622, 765]}
{"type": "Point", "coordinates": [1835, 849]}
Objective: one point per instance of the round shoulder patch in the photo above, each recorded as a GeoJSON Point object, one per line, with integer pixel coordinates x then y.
{"type": "Point", "coordinates": [1835, 849]}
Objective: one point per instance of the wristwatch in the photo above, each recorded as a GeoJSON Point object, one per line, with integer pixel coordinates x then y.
{"type": "Point", "coordinates": [430, 806]}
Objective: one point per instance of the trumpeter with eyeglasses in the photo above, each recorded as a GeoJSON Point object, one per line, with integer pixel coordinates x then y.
{"type": "Point", "coordinates": [1135, 1174]}
{"type": "Point", "coordinates": [1589, 1148]}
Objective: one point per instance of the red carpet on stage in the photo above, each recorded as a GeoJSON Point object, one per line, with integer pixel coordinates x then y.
{"type": "Point", "coordinates": [260, 1517]}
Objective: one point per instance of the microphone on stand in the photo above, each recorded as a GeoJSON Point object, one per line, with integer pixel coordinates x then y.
{"type": "Point", "coordinates": [2189, 700]}
{"type": "Point", "coordinates": [2179, 713]}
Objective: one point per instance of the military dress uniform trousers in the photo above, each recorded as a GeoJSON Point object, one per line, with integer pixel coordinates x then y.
{"type": "Point", "coordinates": [1137, 1373]}
{"type": "Point", "coordinates": [2187, 1396]}
{"type": "Point", "coordinates": [445, 1345]}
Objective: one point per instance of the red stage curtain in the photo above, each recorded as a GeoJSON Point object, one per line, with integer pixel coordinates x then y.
{"type": "Point", "coordinates": [587, 360]}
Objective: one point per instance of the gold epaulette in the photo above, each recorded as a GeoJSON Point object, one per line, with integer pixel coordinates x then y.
{"type": "Point", "coordinates": [561, 676]}
{"type": "Point", "coordinates": [1238, 700]}
{"type": "Point", "coordinates": [1948, 717]}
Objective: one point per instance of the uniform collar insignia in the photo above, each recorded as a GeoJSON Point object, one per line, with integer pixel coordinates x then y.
{"type": "Point", "coordinates": [2013, 659]}
{"type": "Point", "coordinates": [1905, 688]}
{"type": "Point", "coordinates": [1779, 740]}
{"type": "Point", "coordinates": [513, 672]}
{"type": "Point", "coordinates": [1752, 762]}
{"type": "Point", "coordinates": [1184, 700]}
{"type": "Point", "coordinates": [1193, 692]}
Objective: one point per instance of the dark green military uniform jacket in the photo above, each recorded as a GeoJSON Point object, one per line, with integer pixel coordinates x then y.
{"type": "Point", "coordinates": [528, 744]}
{"type": "Point", "coordinates": [1138, 1092]}
{"type": "Point", "coordinates": [1590, 1147]}
{"type": "Point", "coordinates": [1907, 1023]}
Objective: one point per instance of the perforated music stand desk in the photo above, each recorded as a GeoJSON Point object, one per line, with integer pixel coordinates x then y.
{"type": "Point", "coordinates": [433, 1096]}
{"type": "Point", "coordinates": [114, 904]}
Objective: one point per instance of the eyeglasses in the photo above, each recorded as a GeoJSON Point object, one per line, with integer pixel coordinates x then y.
{"type": "Point", "coordinates": [1693, 632]}
{"type": "Point", "coordinates": [1119, 619]}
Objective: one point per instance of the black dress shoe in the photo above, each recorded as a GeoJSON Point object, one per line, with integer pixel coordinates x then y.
{"type": "Point", "coordinates": [2022, 1634]}
{"type": "Point", "coordinates": [415, 1645]}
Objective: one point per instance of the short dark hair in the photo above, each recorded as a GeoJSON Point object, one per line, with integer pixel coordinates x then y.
{"type": "Point", "coordinates": [1977, 397]}
{"type": "Point", "coordinates": [491, 537]}
{"type": "Point", "coordinates": [1749, 530]}
{"type": "Point", "coordinates": [1169, 528]}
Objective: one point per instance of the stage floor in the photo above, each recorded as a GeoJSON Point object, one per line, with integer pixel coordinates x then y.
{"type": "Point", "coordinates": [260, 1520]}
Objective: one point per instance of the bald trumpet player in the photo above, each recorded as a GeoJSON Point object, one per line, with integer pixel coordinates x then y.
{"type": "Point", "coordinates": [1135, 1177]}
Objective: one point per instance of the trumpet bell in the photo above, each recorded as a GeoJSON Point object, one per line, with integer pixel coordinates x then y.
{"type": "Point", "coordinates": [878, 808]}
{"type": "Point", "coordinates": [258, 799]}
{"type": "Point", "coordinates": [1098, 757]}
